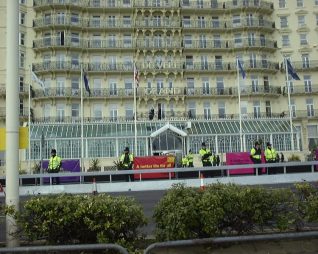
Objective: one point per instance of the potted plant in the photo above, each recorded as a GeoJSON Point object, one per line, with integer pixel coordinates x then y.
{"type": "Point", "coordinates": [94, 166]}
{"type": "Point", "coordinates": [296, 169]}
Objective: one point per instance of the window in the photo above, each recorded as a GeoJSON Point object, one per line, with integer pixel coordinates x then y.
{"type": "Point", "coordinates": [61, 18]}
{"type": "Point", "coordinates": [75, 86]}
{"type": "Point", "coordinates": [126, 3]}
{"type": "Point", "coordinates": [190, 86]}
{"type": "Point", "coordinates": [285, 40]}
{"type": "Point", "coordinates": [60, 112]}
{"type": "Point", "coordinates": [112, 87]}
{"type": "Point", "coordinates": [307, 83]}
{"type": "Point", "coordinates": [205, 85]}
{"type": "Point", "coordinates": [127, 41]}
{"type": "Point", "coordinates": [60, 86]}
{"type": "Point", "coordinates": [283, 22]}
{"type": "Point", "coordinates": [22, 18]}
{"type": "Point", "coordinates": [21, 84]}
{"type": "Point", "coordinates": [218, 63]}
{"type": "Point", "coordinates": [236, 20]}
{"type": "Point", "coordinates": [111, 21]}
{"type": "Point", "coordinates": [215, 22]}
{"type": "Point", "coordinates": [22, 60]}
{"type": "Point", "coordinates": [111, 40]}
{"type": "Point", "coordinates": [189, 62]}
{"type": "Point", "coordinates": [75, 39]}
{"type": "Point", "coordinates": [257, 109]}
{"type": "Point", "coordinates": [207, 110]}
{"type": "Point", "coordinates": [22, 39]}
{"type": "Point", "coordinates": [129, 112]}
{"type": "Point", "coordinates": [255, 88]}
{"type": "Point", "coordinates": [221, 109]}
{"type": "Point", "coordinates": [96, 42]}
{"type": "Point", "coordinates": [21, 107]}
{"type": "Point", "coordinates": [191, 110]}
{"type": "Point", "coordinates": [303, 39]}
{"type": "Point", "coordinates": [113, 113]}
{"type": "Point", "coordinates": [310, 107]}
{"type": "Point", "coordinates": [300, 3]}
{"type": "Point", "coordinates": [293, 107]}
{"type": "Point", "coordinates": [97, 112]}
{"type": "Point", "coordinates": [249, 19]}
{"type": "Point", "coordinates": [97, 87]}
{"type": "Point", "coordinates": [186, 21]}
{"type": "Point", "coordinates": [301, 21]}
{"type": "Point", "coordinates": [305, 61]}
{"type": "Point", "coordinates": [244, 106]}
{"type": "Point", "coordinates": [238, 42]}
{"type": "Point", "coordinates": [127, 21]}
{"type": "Point", "coordinates": [312, 136]}
{"type": "Point", "coordinates": [128, 87]}
{"type": "Point", "coordinates": [201, 22]}
{"type": "Point", "coordinates": [74, 18]}
{"type": "Point", "coordinates": [253, 63]}
{"type": "Point", "coordinates": [282, 3]}
{"type": "Point", "coordinates": [159, 85]}
{"type": "Point", "coordinates": [204, 62]}
{"type": "Point", "coordinates": [219, 85]}
{"type": "Point", "coordinates": [75, 61]}
{"type": "Point", "coordinates": [217, 41]}
{"type": "Point", "coordinates": [202, 41]}
{"type": "Point", "coordinates": [22, 1]}
{"type": "Point", "coordinates": [95, 21]}
{"type": "Point", "coordinates": [251, 39]}
{"type": "Point", "coordinates": [262, 39]}
{"type": "Point", "coordinates": [316, 19]}
{"type": "Point", "coordinates": [75, 111]}
{"type": "Point", "coordinates": [187, 41]}
{"type": "Point", "coordinates": [46, 112]}
{"type": "Point", "coordinates": [268, 108]}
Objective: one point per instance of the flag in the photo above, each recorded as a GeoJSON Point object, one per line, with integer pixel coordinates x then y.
{"type": "Point", "coordinates": [136, 75]}
{"type": "Point", "coordinates": [37, 80]}
{"type": "Point", "coordinates": [241, 69]}
{"type": "Point", "coordinates": [291, 71]}
{"type": "Point", "coordinates": [86, 84]}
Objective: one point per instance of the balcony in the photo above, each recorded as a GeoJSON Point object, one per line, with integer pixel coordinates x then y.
{"type": "Point", "coordinates": [247, 23]}
{"type": "Point", "coordinates": [23, 113]}
{"type": "Point", "coordinates": [220, 6]}
{"type": "Point", "coordinates": [305, 114]}
{"type": "Point", "coordinates": [79, 43]}
{"type": "Point", "coordinates": [157, 23]}
{"type": "Point", "coordinates": [257, 43]}
{"type": "Point", "coordinates": [81, 23]}
{"type": "Point", "coordinates": [220, 66]}
{"type": "Point", "coordinates": [158, 44]}
{"type": "Point", "coordinates": [308, 89]}
{"type": "Point", "coordinates": [93, 4]}
{"type": "Point", "coordinates": [23, 90]}
{"type": "Point", "coordinates": [309, 65]}
{"type": "Point", "coordinates": [216, 25]}
{"type": "Point", "coordinates": [162, 4]}
{"type": "Point", "coordinates": [75, 66]}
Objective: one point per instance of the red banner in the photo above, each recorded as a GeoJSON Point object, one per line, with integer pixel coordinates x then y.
{"type": "Point", "coordinates": [241, 159]}
{"type": "Point", "coordinates": [153, 162]}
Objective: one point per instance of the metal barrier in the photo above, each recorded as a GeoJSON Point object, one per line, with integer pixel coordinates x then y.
{"type": "Point", "coordinates": [233, 239]}
{"type": "Point", "coordinates": [65, 248]}
{"type": "Point", "coordinates": [226, 168]}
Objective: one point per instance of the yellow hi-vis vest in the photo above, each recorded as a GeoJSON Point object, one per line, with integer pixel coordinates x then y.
{"type": "Point", "coordinates": [270, 154]}
{"type": "Point", "coordinates": [54, 164]}
{"type": "Point", "coordinates": [125, 163]}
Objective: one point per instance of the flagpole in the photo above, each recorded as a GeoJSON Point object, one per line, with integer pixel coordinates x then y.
{"type": "Point", "coordinates": [82, 122]}
{"type": "Point", "coordinates": [135, 110]}
{"type": "Point", "coordinates": [289, 106]}
{"type": "Point", "coordinates": [239, 102]}
{"type": "Point", "coordinates": [29, 120]}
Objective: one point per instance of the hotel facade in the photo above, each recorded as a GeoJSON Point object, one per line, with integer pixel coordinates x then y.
{"type": "Point", "coordinates": [189, 89]}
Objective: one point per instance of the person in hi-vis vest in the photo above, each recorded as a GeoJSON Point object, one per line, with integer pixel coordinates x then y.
{"type": "Point", "coordinates": [256, 156]}
{"type": "Point", "coordinates": [127, 160]}
{"type": "Point", "coordinates": [54, 166]}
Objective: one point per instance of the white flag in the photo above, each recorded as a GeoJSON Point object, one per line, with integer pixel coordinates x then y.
{"type": "Point", "coordinates": [37, 80]}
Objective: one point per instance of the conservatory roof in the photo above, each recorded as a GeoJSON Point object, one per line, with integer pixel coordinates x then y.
{"type": "Point", "coordinates": [148, 128]}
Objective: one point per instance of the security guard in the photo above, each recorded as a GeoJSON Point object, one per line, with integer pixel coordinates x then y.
{"type": "Point", "coordinates": [270, 157]}
{"type": "Point", "coordinates": [127, 160]}
{"type": "Point", "coordinates": [205, 154]}
{"type": "Point", "coordinates": [256, 156]}
{"type": "Point", "coordinates": [213, 159]}
{"type": "Point", "coordinates": [190, 159]}
{"type": "Point", "coordinates": [184, 161]}
{"type": "Point", "coordinates": [54, 166]}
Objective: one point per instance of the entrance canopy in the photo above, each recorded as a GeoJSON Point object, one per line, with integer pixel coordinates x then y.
{"type": "Point", "coordinates": [168, 126]}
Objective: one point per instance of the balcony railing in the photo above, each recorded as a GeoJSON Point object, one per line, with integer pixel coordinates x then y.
{"type": "Point", "coordinates": [153, 66]}
{"type": "Point", "coordinates": [158, 23]}
{"type": "Point", "coordinates": [304, 89]}
{"type": "Point", "coordinates": [303, 65]}
{"type": "Point", "coordinates": [23, 113]}
{"type": "Point", "coordinates": [192, 4]}
{"type": "Point", "coordinates": [76, 42]}
{"type": "Point", "coordinates": [22, 89]}
{"type": "Point", "coordinates": [229, 44]}
{"type": "Point", "coordinates": [221, 5]}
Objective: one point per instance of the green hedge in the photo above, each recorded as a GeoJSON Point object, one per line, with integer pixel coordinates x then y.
{"type": "Point", "coordinates": [228, 209]}
{"type": "Point", "coordinates": [63, 219]}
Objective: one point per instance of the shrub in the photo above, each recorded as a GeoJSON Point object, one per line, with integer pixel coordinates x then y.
{"type": "Point", "coordinates": [177, 214]}
{"type": "Point", "coordinates": [94, 165]}
{"type": "Point", "coordinates": [65, 219]}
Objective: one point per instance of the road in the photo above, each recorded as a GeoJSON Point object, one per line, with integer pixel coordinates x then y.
{"type": "Point", "coordinates": [147, 199]}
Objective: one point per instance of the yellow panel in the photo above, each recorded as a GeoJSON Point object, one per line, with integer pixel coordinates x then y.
{"type": "Point", "coordinates": [23, 138]}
